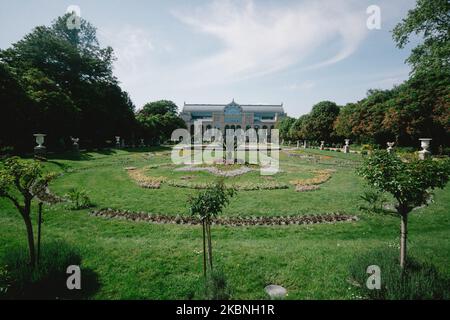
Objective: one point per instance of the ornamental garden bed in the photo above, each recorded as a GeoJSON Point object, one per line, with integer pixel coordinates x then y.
{"type": "Point", "coordinates": [225, 221]}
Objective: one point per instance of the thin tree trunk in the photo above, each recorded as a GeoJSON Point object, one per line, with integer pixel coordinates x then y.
{"type": "Point", "coordinates": [39, 232]}
{"type": "Point", "coordinates": [204, 248]}
{"type": "Point", "coordinates": [403, 239]}
{"type": "Point", "coordinates": [209, 244]}
{"type": "Point", "coordinates": [29, 227]}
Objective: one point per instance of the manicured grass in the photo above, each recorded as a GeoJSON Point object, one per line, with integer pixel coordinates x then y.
{"type": "Point", "coordinates": [145, 261]}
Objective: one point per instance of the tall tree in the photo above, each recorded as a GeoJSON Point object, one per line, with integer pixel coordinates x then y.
{"type": "Point", "coordinates": [68, 79]}
{"type": "Point", "coordinates": [319, 124]}
{"type": "Point", "coordinates": [431, 20]}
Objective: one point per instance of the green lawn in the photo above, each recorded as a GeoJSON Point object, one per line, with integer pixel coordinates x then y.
{"type": "Point", "coordinates": [148, 261]}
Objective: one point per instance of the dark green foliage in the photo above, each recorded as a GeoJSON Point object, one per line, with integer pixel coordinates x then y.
{"type": "Point", "coordinates": [318, 125]}
{"type": "Point", "coordinates": [48, 280]}
{"type": "Point", "coordinates": [59, 82]}
{"type": "Point", "coordinates": [417, 281]}
{"type": "Point", "coordinates": [157, 120]}
{"type": "Point", "coordinates": [285, 126]}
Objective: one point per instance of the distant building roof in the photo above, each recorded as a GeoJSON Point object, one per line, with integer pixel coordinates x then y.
{"type": "Point", "coordinates": [198, 107]}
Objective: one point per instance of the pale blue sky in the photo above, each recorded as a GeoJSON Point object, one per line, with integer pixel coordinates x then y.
{"type": "Point", "coordinates": [260, 51]}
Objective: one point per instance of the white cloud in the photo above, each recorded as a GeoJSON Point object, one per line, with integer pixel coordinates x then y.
{"type": "Point", "coordinates": [132, 46]}
{"type": "Point", "coordinates": [258, 40]}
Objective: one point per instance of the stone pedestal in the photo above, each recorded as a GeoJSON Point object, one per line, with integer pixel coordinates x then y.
{"type": "Point", "coordinates": [305, 143]}
{"type": "Point", "coordinates": [117, 142]}
{"type": "Point", "coordinates": [322, 145]}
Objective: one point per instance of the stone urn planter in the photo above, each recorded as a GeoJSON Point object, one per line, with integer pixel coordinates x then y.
{"type": "Point", "coordinates": [322, 145]}
{"type": "Point", "coordinates": [425, 144]}
{"type": "Point", "coordinates": [347, 146]}
{"type": "Point", "coordinates": [40, 149]}
{"type": "Point", "coordinates": [390, 147]}
{"type": "Point", "coordinates": [117, 141]}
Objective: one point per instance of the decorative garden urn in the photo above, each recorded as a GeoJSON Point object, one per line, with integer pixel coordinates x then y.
{"type": "Point", "coordinates": [425, 144]}
{"type": "Point", "coordinates": [75, 144]}
{"type": "Point", "coordinates": [390, 147]}
{"type": "Point", "coordinates": [142, 144]}
{"type": "Point", "coordinates": [322, 145]}
{"type": "Point", "coordinates": [40, 148]}
{"type": "Point", "coordinates": [347, 146]}
{"type": "Point", "coordinates": [118, 141]}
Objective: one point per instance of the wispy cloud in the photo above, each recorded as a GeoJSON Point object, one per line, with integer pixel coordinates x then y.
{"type": "Point", "coordinates": [302, 86]}
{"type": "Point", "coordinates": [257, 39]}
{"type": "Point", "coordinates": [132, 45]}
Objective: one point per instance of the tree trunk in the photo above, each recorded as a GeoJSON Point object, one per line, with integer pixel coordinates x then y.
{"type": "Point", "coordinates": [208, 226]}
{"type": "Point", "coordinates": [403, 239]}
{"type": "Point", "coordinates": [29, 227]}
{"type": "Point", "coordinates": [204, 248]}
{"type": "Point", "coordinates": [39, 233]}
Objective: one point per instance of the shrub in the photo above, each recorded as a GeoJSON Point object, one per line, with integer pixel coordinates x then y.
{"type": "Point", "coordinates": [48, 279]}
{"type": "Point", "coordinates": [79, 199]}
{"type": "Point", "coordinates": [417, 281]}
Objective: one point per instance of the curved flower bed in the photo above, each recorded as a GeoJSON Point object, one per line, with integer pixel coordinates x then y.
{"type": "Point", "coordinates": [216, 171]}
{"type": "Point", "coordinates": [143, 180]}
{"type": "Point", "coordinates": [322, 176]}
{"type": "Point", "coordinates": [300, 188]}
{"type": "Point", "coordinates": [225, 221]}
{"type": "Point", "coordinates": [242, 186]}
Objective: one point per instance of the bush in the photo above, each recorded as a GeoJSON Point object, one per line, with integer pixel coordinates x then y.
{"type": "Point", "coordinates": [48, 279]}
{"type": "Point", "coordinates": [79, 199]}
{"type": "Point", "coordinates": [418, 281]}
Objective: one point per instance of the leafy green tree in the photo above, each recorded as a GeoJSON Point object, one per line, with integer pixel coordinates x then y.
{"type": "Point", "coordinates": [160, 107]}
{"type": "Point", "coordinates": [319, 124]}
{"type": "Point", "coordinates": [207, 205]}
{"type": "Point", "coordinates": [298, 130]}
{"type": "Point", "coordinates": [284, 126]}
{"type": "Point", "coordinates": [159, 119]}
{"type": "Point", "coordinates": [20, 181]}
{"type": "Point", "coordinates": [431, 20]}
{"type": "Point", "coordinates": [409, 183]}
